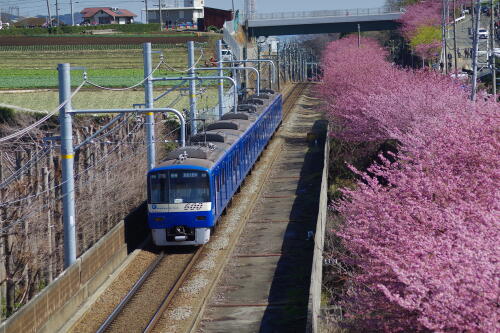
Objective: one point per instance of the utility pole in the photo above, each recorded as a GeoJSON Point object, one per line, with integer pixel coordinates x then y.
{"type": "Point", "coordinates": [57, 12]}
{"type": "Point", "coordinates": [359, 36]}
{"type": "Point", "coordinates": [161, 19]}
{"type": "Point", "coordinates": [48, 11]}
{"type": "Point", "coordinates": [146, 4]}
{"type": "Point", "coordinates": [492, 50]}
{"type": "Point", "coordinates": [72, 14]}
{"type": "Point", "coordinates": [443, 36]}
{"type": "Point", "coordinates": [455, 37]}
{"type": "Point", "coordinates": [475, 48]}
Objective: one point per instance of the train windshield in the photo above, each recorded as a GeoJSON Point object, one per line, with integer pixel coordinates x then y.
{"type": "Point", "coordinates": [179, 186]}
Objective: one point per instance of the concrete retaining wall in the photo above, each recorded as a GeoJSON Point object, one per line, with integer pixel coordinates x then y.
{"type": "Point", "coordinates": [314, 306]}
{"type": "Point", "coordinates": [59, 301]}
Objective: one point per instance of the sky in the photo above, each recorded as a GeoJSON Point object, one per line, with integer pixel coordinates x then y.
{"type": "Point", "coordinates": [39, 7]}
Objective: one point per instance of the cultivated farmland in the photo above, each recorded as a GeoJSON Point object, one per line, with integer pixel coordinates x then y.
{"type": "Point", "coordinates": [114, 66]}
{"type": "Point", "coordinates": [28, 74]}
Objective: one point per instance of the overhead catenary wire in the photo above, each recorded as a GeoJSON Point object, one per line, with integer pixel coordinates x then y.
{"type": "Point", "coordinates": [42, 120]}
{"type": "Point", "coordinates": [17, 200]}
{"type": "Point", "coordinates": [188, 69]}
{"type": "Point", "coordinates": [90, 139]}
{"type": "Point", "coordinates": [34, 212]}
{"type": "Point", "coordinates": [41, 154]}
{"type": "Point", "coordinates": [127, 88]}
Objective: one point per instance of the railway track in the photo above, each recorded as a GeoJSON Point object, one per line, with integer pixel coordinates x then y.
{"type": "Point", "coordinates": [264, 285]}
{"type": "Point", "coordinates": [143, 305]}
{"type": "Point", "coordinates": [146, 301]}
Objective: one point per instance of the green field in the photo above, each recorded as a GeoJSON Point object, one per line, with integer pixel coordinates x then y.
{"type": "Point", "coordinates": [110, 67]}
{"type": "Point", "coordinates": [28, 78]}
{"type": "Point", "coordinates": [48, 100]}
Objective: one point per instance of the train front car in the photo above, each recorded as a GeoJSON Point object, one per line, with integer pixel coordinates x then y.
{"type": "Point", "coordinates": [180, 210]}
{"type": "Point", "coordinates": [190, 189]}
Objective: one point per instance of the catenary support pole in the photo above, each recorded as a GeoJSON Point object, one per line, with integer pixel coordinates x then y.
{"type": "Point", "coordinates": [146, 4]}
{"type": "Point", "coordinates": [67, 158]}
{"type": "Point", "coordinates": [278, 65]}
{"type": "Point", "coordinates": [475, 48]}
{"type": "Point", "coordinates": [192, 88]}
{"type": "Point", "coordinates": [148, 96]}
{"type": "Point", "coordinates": [257, 81]}
{"type": "Point", "coordinates": [220, 72]}
{"type": "Point", "coordinates": [269, 72]}
{"type": "Point", "coordinates": [259, 50]}
{"type": "Point", "coordinates": [270, 62]}
{"type": "Point", "coordinates": [201, 78]}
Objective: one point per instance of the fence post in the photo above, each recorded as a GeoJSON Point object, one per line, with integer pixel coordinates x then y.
{"type": "Point", "coordinates": [148, 96]}
{"type": "Point", "coordinates": [192, 88]}
{"type": "Point", "coordinates": [67, 159]}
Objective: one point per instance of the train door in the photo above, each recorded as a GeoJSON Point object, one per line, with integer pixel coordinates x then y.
{"type": "Point", "coordinates": [224, 182]}
{"type": "Point", "coordinates": [217, 187]}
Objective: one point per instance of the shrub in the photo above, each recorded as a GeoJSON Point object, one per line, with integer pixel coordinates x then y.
{"type": "Point", "coordinates": [6, 115]}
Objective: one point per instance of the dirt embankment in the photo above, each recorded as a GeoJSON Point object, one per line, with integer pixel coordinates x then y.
{"type": "Point", "coordinates": [94, 40]}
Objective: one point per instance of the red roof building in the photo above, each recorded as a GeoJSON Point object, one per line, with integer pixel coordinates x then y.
{"type": "Point", "coordinates": [107, 15]}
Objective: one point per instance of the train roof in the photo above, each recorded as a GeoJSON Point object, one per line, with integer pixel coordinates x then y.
{"type": "Point", "coordinates": [209, 146]}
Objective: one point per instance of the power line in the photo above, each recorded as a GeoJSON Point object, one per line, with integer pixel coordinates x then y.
{"type": "Point", "coordinates": [17, 200]}
{"type": "Point", "coordinates": [127, 88]}
{"type": "Point", "coordinates": [36, 124]}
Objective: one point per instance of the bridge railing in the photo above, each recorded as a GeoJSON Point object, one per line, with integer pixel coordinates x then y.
{"type": "Point", "coordinates": [326, 13]}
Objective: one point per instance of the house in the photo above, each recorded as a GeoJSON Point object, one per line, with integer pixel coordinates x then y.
{"type": "Point", "coordinates": [188, 13]}
{"type": "Point", "coordinates": [177, 12]}
{"type": "Point", "coordinates": [214, 17]}
{"type": "Point", "coordinates": [107, 15]}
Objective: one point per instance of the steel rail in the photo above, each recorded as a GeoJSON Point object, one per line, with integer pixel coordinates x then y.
{"type": "Point", "coordinates": [119, 308]}
{"type": "Point", "coordinates": [171, 293]}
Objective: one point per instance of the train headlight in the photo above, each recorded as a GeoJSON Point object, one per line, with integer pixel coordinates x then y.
{"type": "Point", "coordinates": [159, 219]}
{"type": "Point", "coordinates": [201, 218]}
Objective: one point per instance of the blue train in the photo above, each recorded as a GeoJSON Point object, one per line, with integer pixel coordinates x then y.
{"type": "Point", "coordinates": [190, 189]}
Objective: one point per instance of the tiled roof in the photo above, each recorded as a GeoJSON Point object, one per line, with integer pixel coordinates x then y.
{"type": "Point", "coordinates": [89, 12]}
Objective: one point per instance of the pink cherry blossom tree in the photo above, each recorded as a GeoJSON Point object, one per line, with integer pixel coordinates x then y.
{"type": "Point", "coordinates": [425, 243]}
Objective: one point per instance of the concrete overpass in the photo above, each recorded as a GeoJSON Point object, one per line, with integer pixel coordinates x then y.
{"type": "Point", "coordinates": [327, 21]}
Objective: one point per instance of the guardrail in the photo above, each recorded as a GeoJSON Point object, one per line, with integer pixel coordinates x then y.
{"type": "Point", "coordinates": [327, 13]}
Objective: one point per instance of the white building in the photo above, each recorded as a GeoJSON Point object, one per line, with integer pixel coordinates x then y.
{"type": "Point", "coordinates": [175, 12]}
